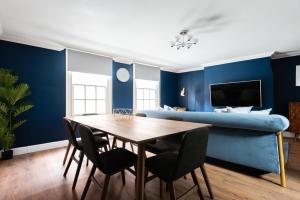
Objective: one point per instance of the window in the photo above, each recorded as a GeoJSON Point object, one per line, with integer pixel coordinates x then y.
{"type": "Point", "coordinates": [147, 97]}
{"type": "Point", "coordinates": [89, 94]}
{"type": "Point", "coordinates": [298, 75]}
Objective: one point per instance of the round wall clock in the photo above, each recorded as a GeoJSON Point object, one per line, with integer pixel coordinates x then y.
{"type": "Point", "coordinates": [123, 75]}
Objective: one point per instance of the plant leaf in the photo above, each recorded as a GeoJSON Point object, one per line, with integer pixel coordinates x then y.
{"type": "Point", "coordinates": [18, 124]}
{"type": "Point", "coordinates": [12, 95]}
{"type": "Point", "coordinates": [8, 141]}
{"type": "Point", "coordinates": [3, 122]}
{"type": "Point", "coordinates": [22, 108]}
{"type": "Point", "coordinates": [7, 79]}
{"type": "Point", "coordinates": [3, 108]}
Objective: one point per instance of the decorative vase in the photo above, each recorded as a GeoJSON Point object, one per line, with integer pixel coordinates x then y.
{"type": "Point", "coordinates": [6, 155]}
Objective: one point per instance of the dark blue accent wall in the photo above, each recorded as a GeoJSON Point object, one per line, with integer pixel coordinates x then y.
{"type": "Point", "coordinates": [122, 93]}
{"type": "Point", "coordinates": [193, 82]}
{"type": "Point", "coordinates": [168, 88]}
{"type": "Point", "coordinates": [284, 71]}
{"type": "Point", "coordinates": [44, 71]}
{"type": "Point", "coordinates": [197, 82]}
{"type": "Point", "coordinates": [256, 69]}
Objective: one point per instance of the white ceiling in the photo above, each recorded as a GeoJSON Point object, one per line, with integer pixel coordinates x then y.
{"type": "Point", "coordinates": [141, 30]}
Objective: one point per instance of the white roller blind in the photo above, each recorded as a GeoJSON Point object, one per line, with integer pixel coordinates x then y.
{"type": "Point", "coordinates": [89, 63]}
{"type": "Point", "coordinates": [147, 72]}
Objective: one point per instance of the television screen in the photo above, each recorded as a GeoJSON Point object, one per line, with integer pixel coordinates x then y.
{"type": "Point", "coordinates": [244, 93]}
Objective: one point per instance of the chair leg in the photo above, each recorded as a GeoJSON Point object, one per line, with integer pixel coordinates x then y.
{"type": "Point", "coordinates": [114, 143]}
{"type": "Point", "coordinates": [105, 148]}
{"type": "Point", "coordinates": [161, 188]}
{"type": "Point", "coordinates": [124, 144]}
{"type": "Point", "coordinates": [108, 142]}
{"type": "Point", "coordinates": [123, 176]}
{"type": "Point", "coordinates": [67, 152]}
{"type": "Point", "coordinates": [197, 184]}
{"type": "Point", "coordinates": [87, 161]}
{"type": "Point", "coordinates": [105, 187]}
{"type": "Point", "coordinates": [78, 169]}
{"type": "Point", "coordinates": [172, 190]}
{"type": "Point", "coordinates": [207, 181]}
{"type": "Point", "coordinates": [132, 149]}
{"type": "Point", "coordinates": [70, 161]}
{"type": "Point", "coordinates": [88, 183]}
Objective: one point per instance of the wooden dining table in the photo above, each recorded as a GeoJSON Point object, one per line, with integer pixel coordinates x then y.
{"type": "Point", "coordinates": [137, 130]}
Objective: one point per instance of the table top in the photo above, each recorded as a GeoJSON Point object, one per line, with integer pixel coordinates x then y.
{"type": "Point", "coordinates": [137, 129]}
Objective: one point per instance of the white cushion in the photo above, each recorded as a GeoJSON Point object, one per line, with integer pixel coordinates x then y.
{"type": "Point", "coordinates": [160, 108]}
{"type": "Point", "coordinates": [168, 108]}
{"type": "Point", "coordinates": [262, 112]}
{"type": "Point", "coordinates": [239, 109]}
{"type": "Point", "coordinates": [220, 110]}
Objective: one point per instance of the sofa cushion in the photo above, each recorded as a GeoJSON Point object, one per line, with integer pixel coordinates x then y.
{"type": "Point", "coordinates": [261, 112]}
{"type": "Point", "coordinates": [244, 110]}
{"type": "Point", "coordinates": [267, 123]}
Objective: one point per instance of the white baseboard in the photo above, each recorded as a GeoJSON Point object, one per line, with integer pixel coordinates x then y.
{"type": "Point", "coordinates": [40, 147]}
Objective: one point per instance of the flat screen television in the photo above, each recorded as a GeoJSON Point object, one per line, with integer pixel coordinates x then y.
{"type": "Point", "coordinates": [236, 94]}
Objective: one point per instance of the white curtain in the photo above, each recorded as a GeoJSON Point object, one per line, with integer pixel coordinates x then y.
{"type": "Point", "coordinates": [78, 61]}
{"type": "Point", "coordinates": [147, 72]}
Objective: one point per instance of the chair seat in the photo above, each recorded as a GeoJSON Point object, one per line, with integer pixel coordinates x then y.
{"type": "Point", "coordinates": [162, 145]}
{"type": "Point", "coordinates": [163, 165]}
{"type": "Point", "coordinates": [115, 160]}
{"type": "Point", "coordinates": [100, 142]}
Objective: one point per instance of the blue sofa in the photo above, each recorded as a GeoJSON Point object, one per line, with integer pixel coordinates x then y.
{"type": "Point", "coordinates": [246, 139]}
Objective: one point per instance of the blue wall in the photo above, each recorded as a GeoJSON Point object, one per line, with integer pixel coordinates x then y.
{"type": "Point", "coordinates": [168, 88]}
{"type": "Point", "coordinates": [284, 71]}
{"type": "Point", "coordinates": [44, 71]}
{"type": "Point", "coordinates": [193, 82]}
{"type": "Point", "coordinates": [122, 93]}
{"type": "Point", "coordinates": [197, 82]}
{"type": "Point", "coordinates": [256, 69]}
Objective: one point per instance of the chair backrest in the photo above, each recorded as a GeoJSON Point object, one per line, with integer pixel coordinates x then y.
{"type": "Point", "coordinates": [178, 137]}
{"type": "Point", "coordinates": [141, 115]}
{"type": "Point", "coordinates": [192, 152]}
{"type": "Point", "coordinates": [88, 144]}
{"type": "Point", "coordinates": [70, 132]}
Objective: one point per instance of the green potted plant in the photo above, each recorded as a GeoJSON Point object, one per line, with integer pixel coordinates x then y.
{"type": "Point", "coordinates": [12, 105]}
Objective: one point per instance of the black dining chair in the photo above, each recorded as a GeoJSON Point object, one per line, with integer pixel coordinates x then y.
{"type": "Point", "coordinates": [169, 143]}
{"type": "Point", "coordinates": [95, 132]}
{"type": "Point", "coordinates": [170, 166]}
{"type": "Point", "coordinates": [101, 143]}
{"type": "Point", "coordinates": [172, 143]}
{"type": "Point", "coordinates": [109, 162]}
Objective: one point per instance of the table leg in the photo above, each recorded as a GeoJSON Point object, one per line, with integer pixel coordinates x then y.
{"type": "Point", "coordinates": [140, 186]}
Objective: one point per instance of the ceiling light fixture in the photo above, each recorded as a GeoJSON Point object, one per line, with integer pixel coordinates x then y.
{"type": "Point", "coordinates": [184, 40]}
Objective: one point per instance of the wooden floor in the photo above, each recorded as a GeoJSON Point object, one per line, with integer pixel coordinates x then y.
{"type": "Point", "coordinates": [40, 176]}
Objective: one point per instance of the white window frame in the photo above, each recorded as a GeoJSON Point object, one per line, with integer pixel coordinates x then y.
{"type": "Point", "coordinates": [69, 95]}
{"type": "Point", "coordinates": [85, 99]}
{"type": "Point", "coordinates": [157, 94]}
